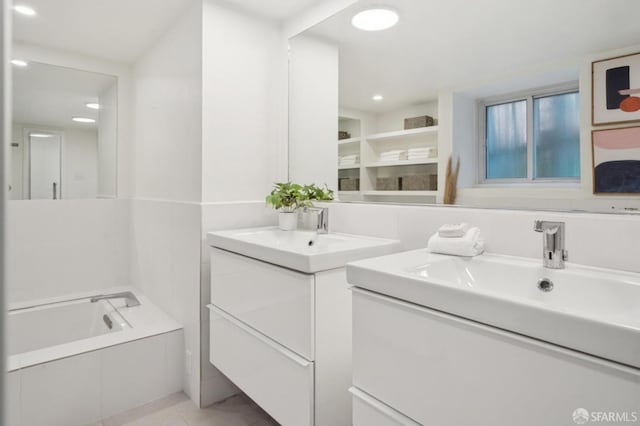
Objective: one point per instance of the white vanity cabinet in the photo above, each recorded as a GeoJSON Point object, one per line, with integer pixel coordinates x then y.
{"type": "Point", "coordinates": [414, 365]}
{"type": "Point", "coordinates": [283, 337]}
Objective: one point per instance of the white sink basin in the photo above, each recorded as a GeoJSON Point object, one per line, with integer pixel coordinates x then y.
{"type": "Point", "coordinates": [304, 251]}
{"type": "Point", "coordinates": [592, 310]}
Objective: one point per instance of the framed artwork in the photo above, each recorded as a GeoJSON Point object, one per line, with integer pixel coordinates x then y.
{"type": "Point", "coordinates": [616, 161]}
{"type": "Point", "coordinates": [615, 90]}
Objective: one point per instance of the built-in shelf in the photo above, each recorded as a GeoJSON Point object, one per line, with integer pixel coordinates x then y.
{"type": "Point", "coordinates": [352, 166]}
{"type": "Point", "coordinates": [402, 193]}
{"type": "Point", "coordinates": [402, 163]}
{"type": "Point", "coordinates": [348, 141]}
{"type": "Point", "coordinates": [402, 134]}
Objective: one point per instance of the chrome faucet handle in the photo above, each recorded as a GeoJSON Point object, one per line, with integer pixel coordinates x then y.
{"type": "Point", "coordinates": [553, 242]}
{"type": "Point", "coordinates": [322, 225]}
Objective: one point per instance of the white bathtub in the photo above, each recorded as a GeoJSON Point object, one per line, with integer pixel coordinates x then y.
{"type": "Point", "coordinates": [73, 362]}
{"type": "Point", "coordinates": [53, 324]}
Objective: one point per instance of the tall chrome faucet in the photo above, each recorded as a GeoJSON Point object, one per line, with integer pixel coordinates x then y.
{"type": "Point", "coordinates": [553, 252]}
{"type": "Point", "coordinates": [322, 226]}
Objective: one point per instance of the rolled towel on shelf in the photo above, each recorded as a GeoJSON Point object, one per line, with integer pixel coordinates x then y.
{"type": "Point", "coordinates": [393, 155]}
{"type": "Point", "coordinates": [471, 244]}
{"type": "Point", "coordinates": [453, 230]}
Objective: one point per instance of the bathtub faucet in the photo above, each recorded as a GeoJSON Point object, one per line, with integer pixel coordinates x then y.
{"type": "Point", "coordinates": [131, 299]}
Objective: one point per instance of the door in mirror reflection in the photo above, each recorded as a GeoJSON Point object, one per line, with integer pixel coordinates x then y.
{"type": "Point", "coordinates": [45, 158]}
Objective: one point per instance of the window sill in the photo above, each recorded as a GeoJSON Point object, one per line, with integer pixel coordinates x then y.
{"type": "Point", "coordinates": [532, 185]}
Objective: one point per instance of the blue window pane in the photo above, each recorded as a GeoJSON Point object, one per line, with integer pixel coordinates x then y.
{"type": "Point", "coordinates": [556, 136]}
{"type": "Point", "coordinates": [507, 140]}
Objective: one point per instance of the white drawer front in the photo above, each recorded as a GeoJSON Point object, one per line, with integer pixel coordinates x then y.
{"type": "Point", "coordinates": [446, 371]}
{"type": "Point", "coordinates": [368, 411]}
{"type": "Point", "coordinates": [276, 301]}
{"type": "Point", "coordinates": [277, 379]}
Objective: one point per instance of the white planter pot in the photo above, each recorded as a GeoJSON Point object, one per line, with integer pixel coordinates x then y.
{"type": "Point", "coordinates": [288, 221]}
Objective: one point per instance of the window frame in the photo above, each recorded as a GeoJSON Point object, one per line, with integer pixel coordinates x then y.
{"type": "Point", "coordinates": [528, 96]}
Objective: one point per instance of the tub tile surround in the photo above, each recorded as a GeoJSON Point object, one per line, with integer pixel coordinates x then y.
{"type": "Point", "coordinates": [599, 240]}
{"type": "Point", "coordinates": [85, 388]}
{"type": "Point", "coordinates": [44, 236]}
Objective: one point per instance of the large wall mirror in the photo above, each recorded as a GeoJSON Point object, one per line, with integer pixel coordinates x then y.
{"type": "Point", "coordinates": [64, 132]}
{"type": "Point", "coordinates": [503, 88]}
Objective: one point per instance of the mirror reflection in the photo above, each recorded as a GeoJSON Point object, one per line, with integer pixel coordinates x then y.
{"type": "Point", "coordinates": [451, 104]}
{"type": "Point", "coordinates": [63, 143]}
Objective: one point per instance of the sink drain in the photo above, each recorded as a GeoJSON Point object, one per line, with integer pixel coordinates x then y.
{"type": "Point", "coordinates": [545, 284]}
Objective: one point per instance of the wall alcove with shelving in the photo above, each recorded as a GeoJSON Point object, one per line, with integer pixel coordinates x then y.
{"type": "Point", "coordinates": [381, 160]}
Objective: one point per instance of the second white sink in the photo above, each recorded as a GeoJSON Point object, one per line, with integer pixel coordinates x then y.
{"type": "Point", "coordinates": [592, 310]}
{"type": "Point", "coordinates": [304, 251]}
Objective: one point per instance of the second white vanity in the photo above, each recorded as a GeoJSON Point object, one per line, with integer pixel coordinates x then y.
{"type": "Point", "coordinates": [492, 340]}
{"type": "Point", "coordinates": [280, 318]}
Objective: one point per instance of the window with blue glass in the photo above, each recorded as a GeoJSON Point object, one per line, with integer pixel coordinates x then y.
{"type": "Point", "coordinates": [532, 138]}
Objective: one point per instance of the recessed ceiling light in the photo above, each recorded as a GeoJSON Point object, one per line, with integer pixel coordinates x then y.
{"type": "Point", "coordinates": [19, 62]}
{"type": "Point", "coordinates": [375, 19]}
{"type": "Point", "coordinates": [377, 98]}
{"type": "Point", "coordinates": [83, 120]}
{"type": "Point", "coordinates": [92, 105]}
{"type": "Point", "coordinates": [24, 10]}
{"type": "Point", "coordinates": [40, 135]}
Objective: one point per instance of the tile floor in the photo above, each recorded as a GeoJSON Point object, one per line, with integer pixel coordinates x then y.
{"type": "Point", "coordinates": [178, 410]}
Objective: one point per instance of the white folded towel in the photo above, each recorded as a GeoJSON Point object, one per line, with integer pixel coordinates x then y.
{"type": "Point", "coordinates": [469, 245]}
{"type": "Point", "coordinates": [453, 230]}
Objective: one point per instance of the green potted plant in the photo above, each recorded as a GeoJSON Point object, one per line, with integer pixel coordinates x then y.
{"type": "Point", "coordinates": [312, 192]}
{"type": "Point", "coordinates": [286, 197]}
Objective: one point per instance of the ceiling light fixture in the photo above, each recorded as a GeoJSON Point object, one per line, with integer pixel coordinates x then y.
{"type": "Point", "coordinates": [40, 135]}
{"type": "Point", "coordinates": [19, 62]}
{"type": "Point", "coordinates": [83, 120]}
{"type": "Point", "coordinates": [377, 98]}
{"type": "Point", "coordinates": [92, 105]}
{"type": "Point", "coordinates": [24, 10]}
{"type": "Point", "coordinates": [377, 19]}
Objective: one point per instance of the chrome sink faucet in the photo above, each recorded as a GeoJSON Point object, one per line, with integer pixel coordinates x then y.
{"type": "Point", "coordinates": [322, 226]}
{"type": "Point", "coordinates": [553, 252]}
{"type": "Point", "coordinates": [130, 298]}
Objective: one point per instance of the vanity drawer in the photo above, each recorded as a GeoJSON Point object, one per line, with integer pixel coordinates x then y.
{"type": "Point", "coordinates": [276, 301]}
{"type": "Point", "coordinates": [443, 370]}
{"type": "Point", "coordinates": [277, 379]}
{"type": "Point", "coordinates": [368, 411]}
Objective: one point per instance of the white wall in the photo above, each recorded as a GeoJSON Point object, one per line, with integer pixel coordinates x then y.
{"type": "Point", "coordinates": [62, 247]}
{"type": "Point", "coordinates": [602, 240]}
{"type": "Point", "coordinates": [5, 129]}
{"type": "Point", "coordinates": [168, 111]}
{"type": "Point", "coordinates": [107, 142]}
{"type": "Point", "coordinates": [241, 102]}
{"type": "Point", "coordinates": [394, 120]}
{"type": "Point", "coordinates": [313, 111]}
{"type": "Point", "coordinates": [65, 246]}
{"type": "Point", "coordinates": [242, 140]}
{"type": "Point", "coordinates": [164, 233]}
{"type": "Point", "coordinates": [459, 134]}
